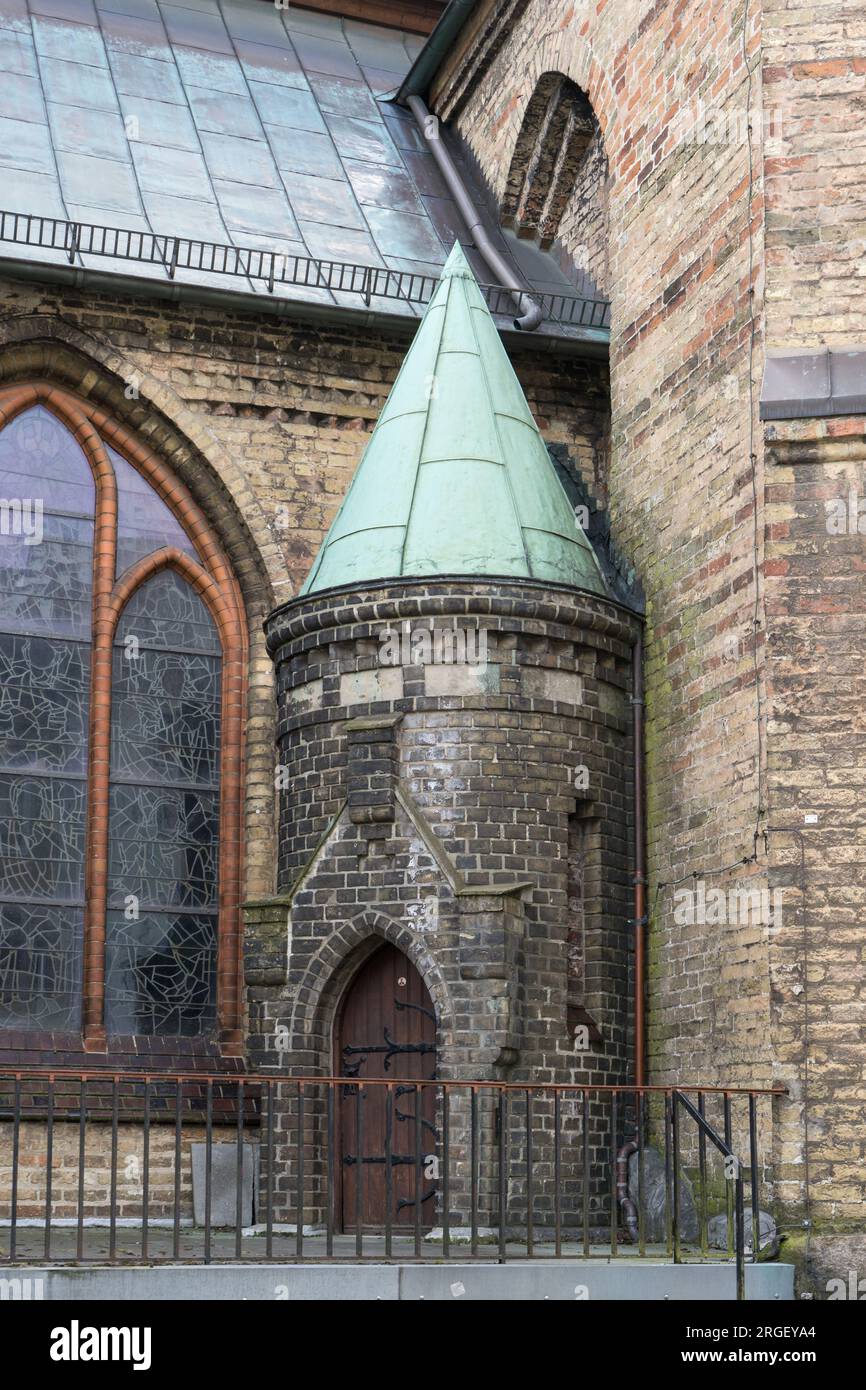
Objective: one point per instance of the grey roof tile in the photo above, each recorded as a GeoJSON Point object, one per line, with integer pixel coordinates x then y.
{"type": "Point", "coordinates": [141, 9]}
{"type": "Point", "coordinates": [130, 34]}
{"type": "Point", "coordinates": [189, 217]}
{"type": "Point", "coordinates": [262, 63]}
{"type": "Point", "coordinates": [196, 28]}
{"type": "Point", "coordinates": [381, 48]}
{"type": "Point", "coordinates": [79, 84]}
{"type": "Point", "coordinates": [344, 96]}
{"type": "Point", "coordinates": [300, 21]}
{"type": "Point", "coordinates": [25, 145]}
{"type": "Point", "coordinates": [126, 221]}
{"type": "Point", "coordinates": [384, 186]}
{"type": "Point", "coordinates": [340, 243]}
{"type": "Point", "coordinates": [402, 234]}
{"type": "Point", "coordinates": [404, 132]}
{"type": "Point", "coordinates": [135, 76]}
{"type": "Point", "coordinates": [280, 246]}
{"type": "Point", "coordinates": [224, 113]}
{"type": "Point", "coordinates": [325, 56]}
{"type": "Point", "coordinates": [365, 140]}
{"type": "Point", "coordinates": [180, 173]}
{"type": "Point", "coordinates": [82, 11]}
{"type": "Point", "coordinates": [304, 152]}
{"type": "Point", "coordinates": [315, 199]}
{"type": "Point", "coordinates": [448, 223]}
{"type": "Point", "coordinates": [14, 14]}
{"type": "Point", "coordinates": [383, 83]}
{"type": "Point", "coordinates": [158, 123]}
{"type": "Point", "coordinates": [425, 174]}
{"type": "Point", "coordinates": [38, 194]}
{"type": "Point", "coordinates": [255, 23]}
{"type": "Point", "coordinates": [249, 208]}
{"type": "Point", "coordinates": [99, 133]}
{"type": "Point", "coordinates": [430, 269]}
{"type": "Point", "coordinates": [216, 70]}
{"type": "Point", "coordinates": [239, 161]}
{"type": "Point", "coordinates": [287, 106]}
{"type": "Point", "coordinates": [17, 53]}
{"type": "Point", "coordinates": [103, 182]}
{"type": "Point", "coordinates": [21, 97]}
{"type": "Point", "coordinates": [78, 43]}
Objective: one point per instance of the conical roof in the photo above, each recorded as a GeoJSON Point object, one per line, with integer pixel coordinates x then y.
{"type": "Point", "coordinates": [456, 479]}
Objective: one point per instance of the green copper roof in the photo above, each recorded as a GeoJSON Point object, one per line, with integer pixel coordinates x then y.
{"type": "Point", "coordinates": [456, 478]}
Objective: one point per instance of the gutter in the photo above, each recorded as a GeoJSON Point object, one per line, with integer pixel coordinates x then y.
{"type": "Point", "coordinates": [419, 77]}
{"type": "Point", "coordinates": [585, 343]}
{"type": "Point", "coordinates": [529, 312]}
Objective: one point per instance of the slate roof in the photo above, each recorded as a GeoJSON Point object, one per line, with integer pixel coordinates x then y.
{"type": "Point", "coordinates": [456, 479]}
{"type": "Point", "coordinates": [232, 122]}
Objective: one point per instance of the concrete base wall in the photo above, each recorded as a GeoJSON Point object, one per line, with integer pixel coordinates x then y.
{"type": "Point", "coordinates": [578, 1280]}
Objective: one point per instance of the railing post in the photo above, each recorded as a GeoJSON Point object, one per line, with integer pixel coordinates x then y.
{"type": "Point", "coordinates": [740, 1234]}
{"type": "Point", "coordinates": [669, 1244]}
{"type": "Point", "coordinates": [755, 1186]}
{"type": "Point", "coordinates": [675, 1161]}
{"type": "Point", "coordinates": [503, 1170]}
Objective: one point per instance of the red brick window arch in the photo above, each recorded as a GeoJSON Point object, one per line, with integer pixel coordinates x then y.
{"type": "Point", "coordinates": [122, 669]}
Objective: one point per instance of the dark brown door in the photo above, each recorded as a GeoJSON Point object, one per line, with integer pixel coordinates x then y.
{"type": "Point", "coordinates": [387, 1028]}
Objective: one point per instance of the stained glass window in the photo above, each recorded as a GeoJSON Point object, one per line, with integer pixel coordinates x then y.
{"type": "Point", "coordinates": [161, 936]}
{"type": "Point", "coordinates": [47, 500]}
{"type": "Point", "coordinates": [159, 911]}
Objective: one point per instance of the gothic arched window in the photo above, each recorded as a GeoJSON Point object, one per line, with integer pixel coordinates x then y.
{"type": "Point", "coordinates": [122, 660]}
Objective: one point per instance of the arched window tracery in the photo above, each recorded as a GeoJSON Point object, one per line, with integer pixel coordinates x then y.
{"type": "Point", "coordinates": [122, 667]}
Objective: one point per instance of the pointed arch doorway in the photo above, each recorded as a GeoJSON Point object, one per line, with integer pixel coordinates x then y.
{"type": "Point", "coordinates": [386, 1029]}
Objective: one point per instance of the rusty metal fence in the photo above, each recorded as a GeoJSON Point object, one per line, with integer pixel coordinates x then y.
{"type": "Point", "coordinates": [127, 1168]}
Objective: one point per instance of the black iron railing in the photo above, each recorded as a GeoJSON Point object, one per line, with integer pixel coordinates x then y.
{"type": "Point", "coordinates": [134, 1168]}
{"type": "Point", "coordinates": [271, 268]}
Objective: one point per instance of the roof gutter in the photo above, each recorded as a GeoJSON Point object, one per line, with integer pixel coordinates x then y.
{"type": "Point", "coordinates": [530, 313]}
{"type": "Point", "coordinates": [419, 77]}
{"type": "Point", "coordinates": [588, 343]}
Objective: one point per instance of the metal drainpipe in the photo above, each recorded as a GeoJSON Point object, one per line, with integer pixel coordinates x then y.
{"type": "Point", "coordinates": [627, 1205]}
{"type": "Point", "coordinates": [640, 923]}
{"type": "Point", "coordinates": [530, 312]}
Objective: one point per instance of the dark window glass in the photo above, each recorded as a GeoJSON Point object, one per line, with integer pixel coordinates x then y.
{"type": "Point", "coordinates": [161, 927]}
{"type": "Point", "coordinates": [47, 499]}
{"type": "Point", "coordinates": [144, 522]}
{"type": "Point", "coordinates": [163, 863]}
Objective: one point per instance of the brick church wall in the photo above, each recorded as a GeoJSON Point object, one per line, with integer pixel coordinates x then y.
{"type": "Point", "coordinates": [694, 206]}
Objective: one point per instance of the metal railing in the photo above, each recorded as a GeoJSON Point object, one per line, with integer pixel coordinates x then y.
{"type": "Point", "coordinates": [272, 268]}
{"type": "Point", "coordinates": [132, 1168]}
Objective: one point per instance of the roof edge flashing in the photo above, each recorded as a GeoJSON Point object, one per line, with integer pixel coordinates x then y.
{"type": "Point", "coordinates": [578, 341]}
{"type": "Point", "coordinates": [812, 383]}
{"type": "Point", "coordinates": [419, 78]}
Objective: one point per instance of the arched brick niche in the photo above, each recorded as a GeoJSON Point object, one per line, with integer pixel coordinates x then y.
{"type": "Point", "coordinates": [556, 188]}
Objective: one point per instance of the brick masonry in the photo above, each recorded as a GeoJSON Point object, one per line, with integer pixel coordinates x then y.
{"type": "Point", "coordinates": [734, 221]}
{"type": "Point", "coordinates": [428, 804]}
{"type": "Point", "coordinates": [711, 246]}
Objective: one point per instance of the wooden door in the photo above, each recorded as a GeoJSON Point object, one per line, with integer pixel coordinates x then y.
{"type": "Point", "coordinates": [387, 1028]}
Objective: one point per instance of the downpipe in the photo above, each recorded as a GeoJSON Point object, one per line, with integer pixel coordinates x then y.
{"type": "Point", "coordinates": [639, 924]}
{"type": "Point", "coordinates": [639, 921]}
{"type": "Point", "coordinates": [530, 313]}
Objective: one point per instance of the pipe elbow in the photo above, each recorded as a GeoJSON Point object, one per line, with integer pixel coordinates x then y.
{"type": "Point", "coordinates": [531, 315]}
